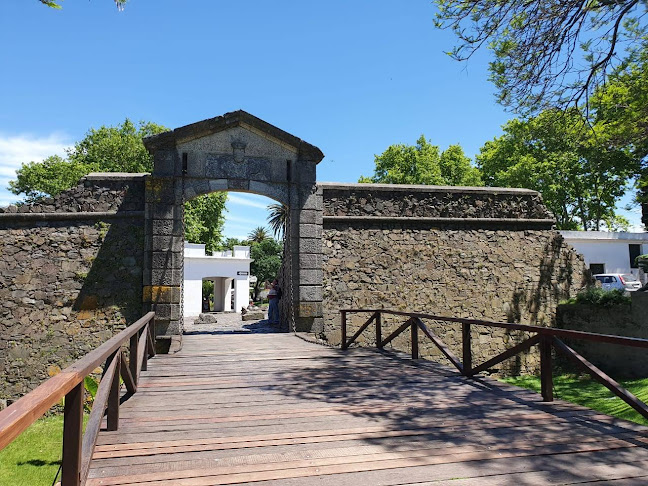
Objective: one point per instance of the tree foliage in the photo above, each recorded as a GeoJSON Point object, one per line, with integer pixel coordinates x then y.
{"type": "Point", "coordinates": [267, 262]}
{"type": "Point", "coordinates": [552, 53]}
{"type": "Point", "coordinates": [575, 166]}
{"type": "Point", "coordinates": [424, 164]}
{"type": "Point", "coordinates": [47, 178]}
{"type": "Point", "coordinates": [204, 220]}
{"type": "Point", "coordinates": [106, 149]}
{"type": "Point", "coordinates": [258, 234]}
{"type": "Point", "coordinates": [277, 219]}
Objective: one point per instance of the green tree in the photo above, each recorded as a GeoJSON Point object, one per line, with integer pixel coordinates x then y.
{"type": "Point", "coordinates": [106, 149]}
{"type": "Point", "coordinates": [423, 164]}
{"type": "Point", "coordinates": [622, 110]}
{"type": "Point", "coordinates": [277, 219]}
{"type": "Point", "coordinates": [258, 234]}
{"type": "Point", "coordinates": [230, 243]}
{"type": "Point", "coordinates": [456, 169]}
{"type": "Point", "coordinates": [267, 262]}
{"type": "Point", "coordinates": [580, 174]}
{"type": "Point", "coordinates": [204, 220]}
{"type": "Point", "coordinates": [547, 54]}
{"type": "Point", "coordinates": [47, 178]}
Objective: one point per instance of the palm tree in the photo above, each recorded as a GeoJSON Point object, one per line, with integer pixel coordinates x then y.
{"type": "Point", "coordinates": [277, 219]}
{"type": "Point", "coordinates": [258, 234]}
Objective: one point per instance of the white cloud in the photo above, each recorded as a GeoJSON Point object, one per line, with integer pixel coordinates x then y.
{"type": "Point", "coordinates": [243, 221]}
{"type": "Point", "coordinates": [18, 149]}
{"type": "Point", "coordinates": [250, 200]}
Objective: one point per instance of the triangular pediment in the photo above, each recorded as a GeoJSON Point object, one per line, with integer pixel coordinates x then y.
{"type": "Point", "coordinates": [233, 122]}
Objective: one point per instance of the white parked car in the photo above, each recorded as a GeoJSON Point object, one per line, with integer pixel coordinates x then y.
{"type": "Point", "coordinates": [620, 281]}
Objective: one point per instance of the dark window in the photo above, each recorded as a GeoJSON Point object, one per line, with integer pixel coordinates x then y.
{"type": "Point", "coordinates": [635, 251]}
{"type": "Point", "coordinates": [597, 268]}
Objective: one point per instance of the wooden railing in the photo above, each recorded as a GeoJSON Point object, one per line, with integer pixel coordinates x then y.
{"type": "Point", "coordinates": [545, 337]}
{"type": "Point", "coordinates": [78, 446]}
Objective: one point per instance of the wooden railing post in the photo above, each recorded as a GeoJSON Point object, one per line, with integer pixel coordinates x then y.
{"type": "Point", "coordinates": [467, 348]}
{"type": "Point", "coordinates": [343, 321]}
{"type": "Point", "coordinates": [132, 356]}
{"type": "Point", "coordinates": [415, 347]}
{"type": "Point", "coordinates": [112, 418]}
{"type": "Point", "coordinates": [546, 376]}
{"type": "Point", "coordinates": [378, 330]}
{"type": "Point", "coordinates": [145, 354]}
{"type": "Point", "coordinates": [72, 437]}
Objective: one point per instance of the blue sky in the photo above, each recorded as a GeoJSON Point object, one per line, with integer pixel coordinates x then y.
{"type": "Point", "coordinates": [351, 77]}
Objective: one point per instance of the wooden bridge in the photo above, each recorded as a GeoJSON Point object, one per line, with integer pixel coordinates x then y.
{"type": "Point", "coordinates": [273, 409]}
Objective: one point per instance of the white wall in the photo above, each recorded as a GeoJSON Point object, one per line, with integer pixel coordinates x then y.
{"type": "Point", "coordinates": [611, 249]}
{"type": "Point", "coordinates": [223, 268]}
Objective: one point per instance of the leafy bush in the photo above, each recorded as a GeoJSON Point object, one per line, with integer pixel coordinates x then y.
{"type": "Point", "coordinates": [597, 296]}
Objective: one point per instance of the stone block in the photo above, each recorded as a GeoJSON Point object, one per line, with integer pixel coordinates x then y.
{"type": "Point", "coordinates": [238, 184]}
{"type": "Point", "coordinates": [195, 164]}
{"type": "Point", "coordinates": [310, 309]}
{"type": "Point", "coordinates": [200, 186]}
{"type": "Point", "coordinates": [310, 276]}
{"type": "Point", "coordinates": [167, 327]}
{"type": "Point", "coordinates": [310, 293]}
{"type": "Point", "coordinates": [310, 245]}
{"type": "Point", "coordinates": [164, 277]}
{"type": "Point", "coordinates": [164, 162]}
{"type": "Point", "coordinates": [253, 316]}
{"type": "Point", "coordinates": [308, 216]}
{"type": "Point", "coordinates": [160, 190]}
{"type": "Point", "coordinates": [161, 294]}
{"type": "Point", "coordinates": [312, 201]}
{"type": "Point", "coordinates": [307, 171]}
{"type": "Point", "coordinates": [189, 193]}
{"type": "Point", "coordinates": [163, 211]}
{"type": "Point", "coordinates": [310, 261]}
{"type": "Point", "coordinates": [279, 171]}
{"type": "Point", "coordinates": [167, 259]}
{"type": "Point", "coordinates": [310, 231]}
{"type": "Point", "coordinates": [167, 227]}
{"type": "Point", "coordinates": [167, 243]}
{"type": "Point", "coordinates": [166, 311]}
{"type": "Point", "coordinates": [218, 185]}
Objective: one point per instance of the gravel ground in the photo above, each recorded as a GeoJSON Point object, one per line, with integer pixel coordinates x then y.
{"type": "Point", "coordinates": [228, 323]}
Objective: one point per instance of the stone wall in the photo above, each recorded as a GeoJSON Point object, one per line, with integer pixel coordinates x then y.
{"type": "Point", "coordinates": [466, 252]}
{"type": "Point", "coordinates": [70, 276]}
{"type": "Point", "coordinates": [621, 320]}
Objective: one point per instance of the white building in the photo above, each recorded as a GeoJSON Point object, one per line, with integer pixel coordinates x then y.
{"type": "Point", "coordinates": [230, 272]}
{"type": "Point", "coordinates": [608, 252]}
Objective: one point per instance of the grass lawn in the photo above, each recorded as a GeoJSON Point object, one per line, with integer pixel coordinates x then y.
{"type": "Point", "coordinates": [34, 457]}
{"type": "Point", "coordinates": [583, 390]}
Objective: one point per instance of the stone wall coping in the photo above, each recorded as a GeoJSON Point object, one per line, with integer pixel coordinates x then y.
{"type": "Point", "coordinates": [331, 186]}
{"type": "Point", "coordinates": [70, 215]}
{"type": "Point", "coordinates": [114, 176]}
{"type": "Point", "coordinates": [416, 219]}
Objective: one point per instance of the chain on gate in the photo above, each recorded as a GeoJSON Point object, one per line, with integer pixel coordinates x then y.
{"type": "Point", "coordinates": [289, 256]}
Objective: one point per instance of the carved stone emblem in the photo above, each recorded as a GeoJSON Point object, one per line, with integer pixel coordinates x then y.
{"type": "Point", "coordinates": [238, 148]}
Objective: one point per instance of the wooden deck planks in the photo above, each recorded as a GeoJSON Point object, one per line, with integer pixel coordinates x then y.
{"type": "Point", "coordinates": [267, 409]}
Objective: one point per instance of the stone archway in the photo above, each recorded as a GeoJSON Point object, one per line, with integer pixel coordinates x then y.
{"type": "Point", "coordinates": [233, 152]}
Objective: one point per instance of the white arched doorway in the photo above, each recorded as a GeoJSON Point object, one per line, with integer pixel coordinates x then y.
{"type": "Point", "coordinates": [230, 272]}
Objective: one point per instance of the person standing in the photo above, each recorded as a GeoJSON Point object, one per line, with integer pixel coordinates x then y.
{"type": "Point", "coordinates": [273, 299]}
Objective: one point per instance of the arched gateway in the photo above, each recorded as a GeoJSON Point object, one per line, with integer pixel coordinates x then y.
{"type": "Point", "coordinates": [233, 152]}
